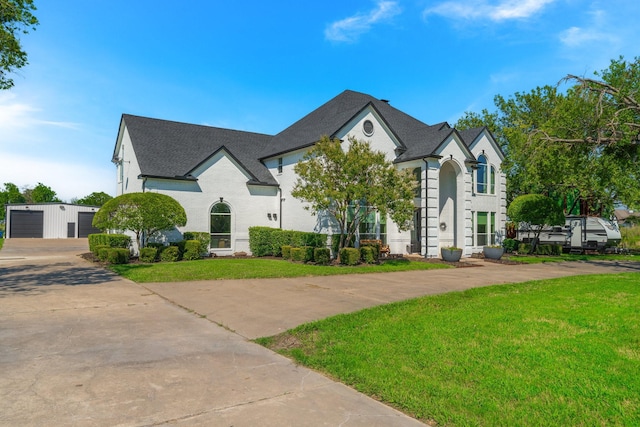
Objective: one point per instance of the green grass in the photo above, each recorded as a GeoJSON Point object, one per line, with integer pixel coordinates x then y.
{"type": "Point", "coordinates": [1, 243]}
{"type": "Point", "coordinates": [631, 237]}
{"type": "Point", "coordinates": [536, 259]}
{"type": "Point", "coordinates": [253, 268]}
{"type": "Point", "coordinates": [561, 352]}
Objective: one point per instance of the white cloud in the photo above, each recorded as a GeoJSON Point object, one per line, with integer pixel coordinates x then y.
{"type": "Point", "coordinates": [349, 29]}
{"type": "Point", "coordinates": [14, 114]}
{"type": "Point", "coordinates": [69, 180]}
{"type": "Point", "coordinates": [596, 32]}
{"type": "Point", "coordinates": [482, 9]}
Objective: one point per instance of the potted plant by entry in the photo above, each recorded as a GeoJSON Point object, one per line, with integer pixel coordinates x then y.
{"type": "Point", "coordinates": [493, 251]}
{"type": "Point", "coordinates": [451, 254]}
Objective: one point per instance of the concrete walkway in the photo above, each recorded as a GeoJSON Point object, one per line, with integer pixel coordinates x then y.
{"type": "Point", "coordinates": [81, 346]}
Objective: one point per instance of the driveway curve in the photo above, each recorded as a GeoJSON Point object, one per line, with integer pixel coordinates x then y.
{"type": "Point", "coordinates": [82, 346]}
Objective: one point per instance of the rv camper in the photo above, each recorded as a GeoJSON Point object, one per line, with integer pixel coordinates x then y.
{"type": "Point", "coordinates": [580, 233]}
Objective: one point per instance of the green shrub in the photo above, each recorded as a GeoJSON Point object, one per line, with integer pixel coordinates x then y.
{"type": "Point", "coordinates": [103, 253]}
{"type": "Point", "coordinates": [335, 241]}
{"type": "Point", "coordinates": [297, 254]}
{"type": "Point", "coordinates": [264, 241]}
{"type": "Point", "coordinates": [180, 244]}
{"type": "Point", "coordinates": [349, 256]}
{"type": "Point", "coordinates": [524, 248]}
{"type": "Point", "coordinates": [286, 252]}
{"type": "Point", "coordinates": [367, 254]}
{"type": "Point", "coordinates": [308, 253]}
{"type": "Point", "coordinates": [170, 254]}
{"type": "Point", "coordinates": [118, 255]}
{"type": "Point", "coordinates": [556, 249]}
{"type": "Point", "coordinates": [192, 250]}
{"type": "Point", "coordinates": [148, 254]}
{"type": "Point", "coordinates": [321, 256]}
{"type": "Point", "coordinates": [510, 245]}
{"type": "Point", "coordinates": [260, 240]}
{"type": "Point", "coordinates": [97, 248]}
{"type": "Point", "coordinates": [203, 237]}
{"type": "Point", "coordinates": [110, 240]}
{"type": "Point", "coordinates": [280, 238]}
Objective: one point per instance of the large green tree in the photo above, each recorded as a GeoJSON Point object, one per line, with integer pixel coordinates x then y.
{"type": "Point", "coordinates": [581, 142]}
{"type": "Point", "coordinates": [10, 194]}
{"type": "Point", "coordinates": [94, 199]}
{"type": "Point", "coordinates": [16, 18]}
{"type": "Point", "coordinates": [145, 214]}
{"type": "Point", "coordinates": [40, 194]}
{"type": "Point", "coordinates": [349, 184]}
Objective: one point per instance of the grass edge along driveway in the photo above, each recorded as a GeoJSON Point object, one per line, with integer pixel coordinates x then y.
{"type": "Point", "coordinates": [253, 268]}
{"type": "Point", "coordinates": [553, 352]}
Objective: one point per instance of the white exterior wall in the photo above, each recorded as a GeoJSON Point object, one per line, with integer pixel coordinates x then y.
{"type": "Point", "coordinates": [487, 202]}
{"type": "Point", "coordinates": [127, 170]}
{"type": "Point", "coordinates": [221, 177]}
{"type": "Point", "coordinates": [55, 217]}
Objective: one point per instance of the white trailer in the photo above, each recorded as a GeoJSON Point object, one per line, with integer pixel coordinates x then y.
{"type": "Point", "coordinates": [580, 233]}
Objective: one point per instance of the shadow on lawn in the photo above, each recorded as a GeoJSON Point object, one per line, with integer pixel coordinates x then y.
{"type": "Point", "coordinates": [33, 279]}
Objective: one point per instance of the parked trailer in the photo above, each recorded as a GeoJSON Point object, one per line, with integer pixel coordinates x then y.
{"type": "Point", "coordinates": [580, 233]}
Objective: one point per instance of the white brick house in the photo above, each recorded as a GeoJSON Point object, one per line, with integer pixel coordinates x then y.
{"type": "Point", "coordinates": [228, 180]}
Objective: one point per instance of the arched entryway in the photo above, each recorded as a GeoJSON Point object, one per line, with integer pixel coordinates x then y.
{"type": "Point", "coordinates": [449, 222]}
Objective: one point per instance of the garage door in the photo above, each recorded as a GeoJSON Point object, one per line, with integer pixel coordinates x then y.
{"type": "Point", "coordinates": [84, 224]}
{"type": "Point", "coordinates": [26, 224]}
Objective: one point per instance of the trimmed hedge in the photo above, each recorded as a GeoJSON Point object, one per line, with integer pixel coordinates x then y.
{"type": "Point", "coordinates": [321, 256]}
{"type": "Point", "coordinates": [297, 254]}
{"type": "Point", "coordinates": [148, 254]}
{"type": "Point", "coordinates": [170, 254]}
{"type": "Point", "coordinates": [203, 237]}
{"type": "Point", "coordinates": [368, 254]}
{"type": "Point", "coordinates": [349, 256]}
{"type": "Point", "coordinates": [286, 252]}
{"type": "Point", "coordinates": [192, 250]}
{"type": "Point", "coordinates": [525, 248]}
{"type": "Point", "coordinates": [102, 252]}
{"type": "Point", "coordinates": [510, 245]}
{"type": "Point", "coordinates": [110, 240]}
{"type": "Point", "coordinates": [118, 255]}
{"type": "Point", "coordinates": [265, 241]}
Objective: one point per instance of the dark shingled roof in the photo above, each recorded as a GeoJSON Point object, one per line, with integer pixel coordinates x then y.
{"type": "Point", "coordinates": [172, 150]}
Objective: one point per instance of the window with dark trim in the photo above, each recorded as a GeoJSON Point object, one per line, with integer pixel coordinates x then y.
{"type": "Point", "coordinates": [220, 226]}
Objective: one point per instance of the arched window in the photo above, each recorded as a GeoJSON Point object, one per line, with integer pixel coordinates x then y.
{"type": "Point", "coordinates": [220, 226]}
{"type": "Point", "coordinates": [482, 174]}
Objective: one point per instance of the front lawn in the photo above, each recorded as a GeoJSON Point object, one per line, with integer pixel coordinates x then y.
{"type": "Point", "coordinates": [545, 353]}
{"type": "Point", "coordinates": [253, 268]}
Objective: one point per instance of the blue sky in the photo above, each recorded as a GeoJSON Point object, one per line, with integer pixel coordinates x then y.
{"type": "Point", "coordinates": [259, 66]}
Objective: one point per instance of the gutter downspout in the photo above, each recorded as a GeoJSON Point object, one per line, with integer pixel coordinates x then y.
{"type": "Point", "coordinates": [280, 211]}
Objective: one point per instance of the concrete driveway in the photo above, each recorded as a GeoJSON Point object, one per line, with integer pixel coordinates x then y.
{"type": "Point", "coordinates": [81, 346]}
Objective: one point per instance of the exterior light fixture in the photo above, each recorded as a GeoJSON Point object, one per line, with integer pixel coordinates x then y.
{"type": "Point", "coordinates": [269, 216]}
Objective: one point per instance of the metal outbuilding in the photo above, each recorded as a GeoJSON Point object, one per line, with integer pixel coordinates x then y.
{"type": "Point", "coordinates": [49, 220]}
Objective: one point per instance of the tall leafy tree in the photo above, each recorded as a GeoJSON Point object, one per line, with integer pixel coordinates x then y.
{"type": "Point", "coordinates": [145, 214]}
{"type": "Point", "coordinates": [10, 194]}
{"type": "Point", "coordinates": [94, 199]}
{"type": "Point", "coordinates": [40, 194]}
{"type": "Point", "coordinates": [16, 17]}
{"type": "Point", "coordinates": [350, 184]}
{"type": "Point", "coordinates": [582, 142]}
